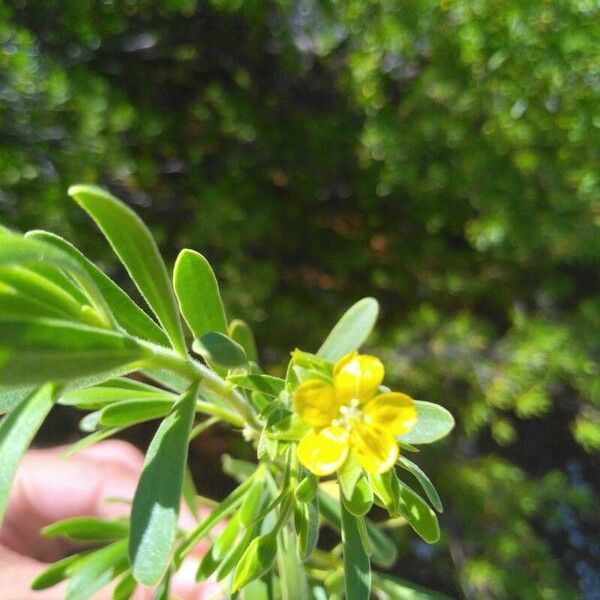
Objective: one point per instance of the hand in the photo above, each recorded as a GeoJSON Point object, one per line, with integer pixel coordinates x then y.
{"type": "Point", "coordinates": [49, 488]}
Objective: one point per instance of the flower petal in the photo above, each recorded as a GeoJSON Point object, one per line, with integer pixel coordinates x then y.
{"type": "Point", "coordinates": [357, 376]}
{"type": "Point", "coordinates": [375, 449]}
{"type": "Point", "coordinates": [324, 452]}
{"type": "Point", "coordinates": [392, 412]}
{"type": "Point", "coordinates": [316, 403]}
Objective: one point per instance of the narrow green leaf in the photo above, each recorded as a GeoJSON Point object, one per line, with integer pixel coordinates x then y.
{"type": "Point", "coordinates": [90, 440]}
{"type": "Point", "coordinates": [265, 384]}
{"type": "Point", "coordinates": [217, 349]}
{"type": "Point", "coordinates": [351, 330]}
{"type": "Point", "coordinates": [419, 514]}
{"type": "Point", "coordinates": [131, 412]}
{"type": "Point", "coordinates": [158, 495]}
{"type": "Point", "coordinates": [32, 287]}
{"type": "Point", "coordinates": [137, 250]}
{"type": "Point", "coordinates": [253, 502]}
{"type": "Point", "coordinates": [103, 395]}
{"type": "Point", "coordinates": [87, 529]}
{"type": "Point", "coordinates": [395, 588]}
{"type": "Point", "coordinates": [198, 294]}
{"type": "Point", "coordinates": [348, 475]}
{"type": "Point", "coordinates": [433, 423]}
{"type": "Point", "coordinates": [26, 251]}
{"type": "Point", "coordinates": [425, 482]}
{"type": "Point", "coordinates": [126, 312]}
{"type": "Point", "coordinates": [61, 280]}
{"type": "Point", "coordinates": [293, 581]}
{"type": "Point", "coordinates": [96, 570]}
{"type": "Point", "coordinates": [227, 537]}
{"type": "Point", "coordinates": [189, 492]}
{"type": "Point", "coordinates": [361, 499]}
{"type": "Point", "coordinates": [357, 568]}
{"type": "Point", "coordinates": [55, 573]}
{"type": "Point", "coordinates": [307, 526]}
{"type": "Point", "coordinates": [17, 431]}
{"type": "Point", "coordinates": [125, 589]}
{"type": "Point", "coordinates": [385, 487]}
{"type": "Point", "coordinates": [226, 507]}
{"type": "Point", "coordinates": [384, 548]}
{"type": "Point", "coordinates": [11, 397]}
{"type": "Point", "coordinates": [240, 332]}
{"type": "Point", "coordinates": [257, 559]}
{"type": "Point", "coordinates": [41, 350]}
{"type": "Point", "coordinates": [307, 488]}
{"type": "Point", "coordinates": [233, 556]}
{"type": "Point", "coordinates": [14, 305]}
{"type": "Point", "coordinates": [289, 428]}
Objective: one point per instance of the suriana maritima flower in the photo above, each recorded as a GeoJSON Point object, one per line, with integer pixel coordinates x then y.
{"type": "Point", "coordinates": [349, 417]}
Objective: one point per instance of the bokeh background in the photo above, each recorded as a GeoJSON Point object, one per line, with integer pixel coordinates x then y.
{"type": "Point", "coordinates": [440, 155]}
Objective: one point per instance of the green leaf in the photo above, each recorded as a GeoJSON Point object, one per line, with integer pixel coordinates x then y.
{"type": "Point", "coordinates": [384, 548]}
{"type": "Point", "coordinates": [96, 570]}
{"type": "Point", "coordinates": [218, 513]}
{"type": "Point", "coordinates": [41, 350]}
{"type": "Point", "coordinates": [198, 294]}
{"type": "Point", "coordinates": [137, 250]}
{"type": "Point", "coordinates": [265, 384]}
{"type": "Point", "coordinates": [189, 492]}
{"type": "Point", "coordinates": [351, 330]}
{"type": "Point", "coordinates": [307, 488]}
{"type": "Point", "coordinates": [60, 279]}
{"type": "Point", "coordinates": [290, 428]}
{"type": "Point", "coordinates": [425, 482]}
{"type": "Point", "coordinates": [433, 423]}
{"type": "Point", "coordinates": [418, 513]}
{"type": "Point", "coordinates": [253, 502]}
{"type": "Point", "coordinates": [357, 568]}
{"type": "Point", "coordinates": [240, 332]}
{"type": "Point", "coordinates": [137, 410]}
{"type": "Point", "coordinates": [306, 521]}
{"type": "Point", "coordinates": [125, 588]}
{"type": "Point", "coordinates": [103, 395]}
{"type": "Point", "coordinates": [87, 529]}
{"type": "Point", "coordinates": [17, 431]}
{"type": "Point", "coordinates": [25, 251]}
{"type": "Point", "coordinates": [10, 398]}
{"type": "Point", "coordinates": [125, 311]}
{"type": "Point", "coordinates": [55, 573]}
{"type": "Point", "coordinates": [348, 475]}
{"type": "Point", "coordinates": [217, 349]}
{"type": "Point", "coordinates": [228, 535]}
{"type": "Point", "coordinates": [257, 560]}
{"type": "Point", "coordinates": [361, 499]}
{"type": "Point", "coordinates": [385, 487]}
{"type": "Point", "coordinates": [232, 557]}
{"type": "Point", "coordinates": [158, 495]}
{"type": "Point", "coordinates": [90, 440]}
{"type": "Point", "coordinates": [400, 589]}
{"type": "Point", "coordinates": [15, 305]}
{"type": "Point", "coordinates": [293, 581]}
{"type": "Point", "coordinates": [33, 288]}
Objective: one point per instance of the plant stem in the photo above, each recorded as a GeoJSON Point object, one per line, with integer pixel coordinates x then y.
{"type": "Point", "coordinates": [193, 371]}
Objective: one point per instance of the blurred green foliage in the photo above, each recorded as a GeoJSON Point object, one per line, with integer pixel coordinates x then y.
{"type": "Point", "coordinates": [442, 156]}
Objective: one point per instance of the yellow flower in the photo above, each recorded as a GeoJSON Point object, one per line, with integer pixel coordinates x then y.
{"type": "Point", "coordinates": [350, 417]}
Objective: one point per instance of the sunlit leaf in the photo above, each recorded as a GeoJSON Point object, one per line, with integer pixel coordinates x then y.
{"type": "Point", "coordinates": [351, 330]}
{"type": "Point", "coordinates": [137, 250]}
{"type": "Point", "coordinates": [158, 496]}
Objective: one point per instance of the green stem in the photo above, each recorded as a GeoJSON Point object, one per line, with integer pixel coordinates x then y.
{"type": "Point", "coordinates": [221, 413]}
{"type": "Point", "coordinates": [194, 371]}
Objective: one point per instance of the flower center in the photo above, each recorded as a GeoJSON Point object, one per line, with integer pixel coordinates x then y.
{"type": "Point", "coordinates": [350, 415]}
